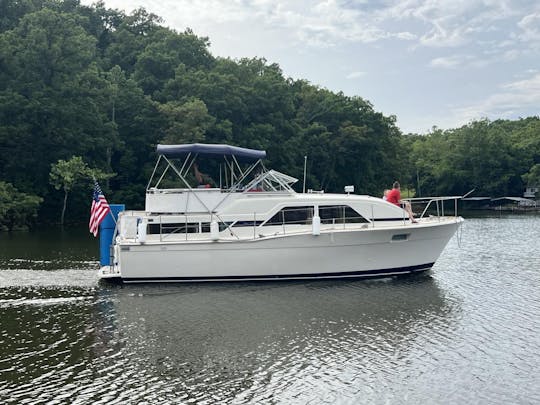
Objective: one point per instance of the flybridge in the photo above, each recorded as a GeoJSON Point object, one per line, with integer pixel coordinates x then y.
{"type": "Point", "coordinates": [241, 170]}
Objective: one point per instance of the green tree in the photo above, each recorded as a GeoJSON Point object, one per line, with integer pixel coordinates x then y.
{"type": "Point", "coordinates": [17, 209]}
{"type": "Point", "coordinates": [532, 177]}
{"type": "Point", "coordinates": [157, 63]}
{"type": "Point", "coordinates": [48, 60]}
{"type": "Point", "coordinates": [90, 81]}
{"type": "Point", "coordinates": [66, 174]}
{"type": "Point", "coordinates": [490, 157]}
{"type": "Point", "coordinates": [187, 122]}
{"type": "Point", "coordinates": [128, 36]}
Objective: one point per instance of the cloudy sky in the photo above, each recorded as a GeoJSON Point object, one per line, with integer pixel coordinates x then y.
{"type": "Point", "coordinates": [429, 62]}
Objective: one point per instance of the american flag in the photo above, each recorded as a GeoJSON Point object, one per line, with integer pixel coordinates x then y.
{"type": "Point", "coordinates": [100, 209]}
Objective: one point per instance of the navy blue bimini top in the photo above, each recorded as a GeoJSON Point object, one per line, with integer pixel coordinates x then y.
{"type": "Point", "coordinates": [210, 149]}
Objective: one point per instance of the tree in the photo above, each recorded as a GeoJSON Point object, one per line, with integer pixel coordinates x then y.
{"type": "Point", "coordinates": [128, 38]}
{"type": "Point", "coordinates": [157, 63]}
{"type": "Point", "coordinates": [48, 68]}
{"type": "Point", "coordinates": [532, 178]}
{"type": "Point", "coordinates": [88, 81]}
{"type": "Point", "coordinates": [491, 157]}
{"type": "Point", "coordinates": [65, 174]}
{"type": "Point", "coordinates": [187, 122]}
{"type": "Point", "coordinates": [16, 209]}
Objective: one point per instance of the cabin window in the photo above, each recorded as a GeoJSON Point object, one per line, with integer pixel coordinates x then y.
{"type": "Point", "coordinates": [246, 223]}
{"type": "Point", "coordinates": [190, 227]}
{"type": "Point", "coordinates": [292, 215]}
{"type": "Point", "coordinates": [340, 214]}
{"type": "Point", "coordinates": [222, 226]}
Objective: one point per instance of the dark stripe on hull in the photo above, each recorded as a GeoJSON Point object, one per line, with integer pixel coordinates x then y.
{"type": "Point", "coordinates": [346, 274]}
{"type": "Point", "coordinates": [390, 219]}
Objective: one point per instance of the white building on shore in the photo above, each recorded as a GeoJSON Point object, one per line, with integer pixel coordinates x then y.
{"type": "Point", "coordinates": [531, 190]}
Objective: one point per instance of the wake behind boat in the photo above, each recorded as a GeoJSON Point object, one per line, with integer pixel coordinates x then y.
{"type": "Point", "coordinates": [254, 226]}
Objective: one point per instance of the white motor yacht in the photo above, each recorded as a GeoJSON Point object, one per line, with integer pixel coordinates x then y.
{"type": "Point", "coordinates": [252, 225]}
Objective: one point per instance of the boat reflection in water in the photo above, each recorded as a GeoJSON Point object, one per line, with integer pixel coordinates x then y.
{"type": "Point", "coordinates": [251, 342]}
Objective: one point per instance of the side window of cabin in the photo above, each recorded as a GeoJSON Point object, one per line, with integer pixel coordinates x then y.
{"type": "Point", "coordinates": [340, 214]}
{"type": "Point", "coordinates": [239, 224]}
{"type": "Point", "coordinates": [190, 227]}
{"type": "Point", "coordinates": [292, 215]}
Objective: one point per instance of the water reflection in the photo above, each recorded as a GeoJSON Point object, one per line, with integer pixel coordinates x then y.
{"type": "Point", "coordinates": [207, 342]}
{"type": "Point", "coordinates": [233, 341]}
{"type": "Point", "coordinates": [45, 340]}
{"type": "Point", "coordinates": [48, 249]}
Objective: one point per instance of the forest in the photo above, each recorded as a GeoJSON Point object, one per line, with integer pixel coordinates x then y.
{"type": "Point", "coordinates": [90, 91]}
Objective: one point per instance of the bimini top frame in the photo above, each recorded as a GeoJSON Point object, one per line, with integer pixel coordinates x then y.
{"type": "Point", "coordinates": [235, 175]}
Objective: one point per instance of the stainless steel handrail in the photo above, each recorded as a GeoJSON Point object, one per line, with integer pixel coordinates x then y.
{"type": "Point", "coordinates": [439, 202]}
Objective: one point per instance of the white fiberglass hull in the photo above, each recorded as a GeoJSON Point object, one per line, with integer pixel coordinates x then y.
{"type": "Point", "coordinates": [365, 252]}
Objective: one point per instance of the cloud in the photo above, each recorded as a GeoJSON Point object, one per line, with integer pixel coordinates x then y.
{"type": "Point", "coordinates": [511, 54]}
{"type": "Point", "coordinates": [355, 75]}
{"type": "Point", "coordinates": [323, 23]}
{"type": "Point", "coordinates": [519, 98]}
{"type": "Point", "coordinates": [440, 36]}
{"type": "Point", "coordinates": [407, 36]}
{"type": "Point", "coordinates": [520, 95]}
{"type": "Point", "coordinates": [530, 86]}
{"type": "Point", "coordinates": [452, 24]}
{"type": "Point", "coordinates": [328, 23]}
{"type": "Point", "coordinates": [530, 27]}
{"type": "Point", "coordinates": [448, 62]}
{"type": "Point", "coordinates": [461, 61]}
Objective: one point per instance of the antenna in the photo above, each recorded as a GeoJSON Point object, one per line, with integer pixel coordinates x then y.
{"type": "Point", "coordinates": [305, 166]}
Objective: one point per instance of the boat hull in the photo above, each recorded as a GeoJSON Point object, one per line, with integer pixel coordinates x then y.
{"type": "Point", "coordinates": [368, 252]}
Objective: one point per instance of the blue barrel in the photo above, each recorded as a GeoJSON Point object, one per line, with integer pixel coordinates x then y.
{"type": "Point", "coordinates": [106, 233]}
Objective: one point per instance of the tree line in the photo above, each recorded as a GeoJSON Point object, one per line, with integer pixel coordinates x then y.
{"type": "Point", "coordinates": [103, 88]}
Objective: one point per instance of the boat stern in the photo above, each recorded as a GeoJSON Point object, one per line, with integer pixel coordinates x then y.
{"type": "Point", "coordinates": [109, 273]}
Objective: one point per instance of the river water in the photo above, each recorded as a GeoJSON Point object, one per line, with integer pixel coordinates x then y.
{"type": "Point", "coordinates": [468, 332]}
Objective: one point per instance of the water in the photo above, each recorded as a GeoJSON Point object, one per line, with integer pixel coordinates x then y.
{"type": "Point", "coordinates": [466, 333]}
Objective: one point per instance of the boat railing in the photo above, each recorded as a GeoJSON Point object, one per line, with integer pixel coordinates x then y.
{"type": "Point", "coordinates": [286, 222]}
{"type": "Point", "coordinates": [200, 228]}
{"type": "Point", "coordinates": [436, 204]}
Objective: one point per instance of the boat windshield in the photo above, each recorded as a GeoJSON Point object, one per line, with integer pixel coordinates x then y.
{"type": "Point", "coordinates": [271, 181]}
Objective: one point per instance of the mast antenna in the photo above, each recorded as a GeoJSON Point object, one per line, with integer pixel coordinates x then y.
{"type": "Point", "coordinates": [305, 166]}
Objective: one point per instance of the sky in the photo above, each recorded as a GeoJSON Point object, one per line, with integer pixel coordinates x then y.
{"type": "Point", "coordinates": [430, 63]}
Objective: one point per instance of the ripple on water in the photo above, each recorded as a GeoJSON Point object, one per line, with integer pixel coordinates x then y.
{"type": "Point", "coordinates": [466, 334]}
{"type": "Point", "coordinates": [75, 277]}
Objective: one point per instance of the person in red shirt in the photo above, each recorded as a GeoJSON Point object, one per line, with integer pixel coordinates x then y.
{"type": "Point", "coordinates": [394, 197]}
